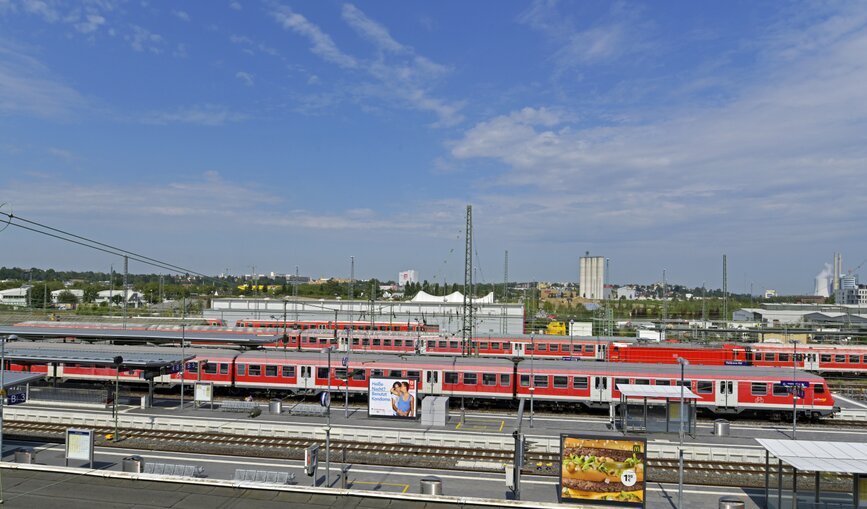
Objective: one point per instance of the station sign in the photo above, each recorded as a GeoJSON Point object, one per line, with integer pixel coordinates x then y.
{"type": "Point", "coordinates": [736, 363]}
{"type": "Point", "coordinates": [794, 383]}
{"type": "Point", "coordinates": [325, 399]}
{"type": "Point", "coordinates": [16, 398]}
{"type": "Point", "coordinates": [392, 397]}
{"type": "Point", "coordinates": [603, 470]}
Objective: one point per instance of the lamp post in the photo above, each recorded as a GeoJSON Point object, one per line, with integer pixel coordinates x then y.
{"type": "Point", "coordinates": [571, 345]}
{"type": "Point", "coordinates": [183, 363]}
{"type": "Point", "coordinates": [117, 362]}
{"type": "Point", "coordinates": [328, 426]}
{"type": "Point", "coordinates": [532, 375]}
{"type": "Point", "coordinates": [3, 399]}
{"type": "Point", "coordinates": [285, 336]}
{"type": "Point", "coordinates": [683, 363]}
{"type": "Point", "coordinates": [795, 390]}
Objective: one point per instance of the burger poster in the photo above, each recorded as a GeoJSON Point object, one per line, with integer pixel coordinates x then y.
{"type": "Point", "coordinates": [603, 470]}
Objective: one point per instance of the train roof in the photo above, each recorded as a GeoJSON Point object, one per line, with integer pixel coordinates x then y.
{"type": "Point", "coordinates": [137, 335]}
{"type": "Point", "coordinates": [538, 364]}
{"type": "Point", "coordinates": [492, 336]}
{"type": "Point", "coordinates": [135, 357]}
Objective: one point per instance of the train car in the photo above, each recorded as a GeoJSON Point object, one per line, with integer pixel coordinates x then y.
{"type": "Point", "coordinates": [340, 325]}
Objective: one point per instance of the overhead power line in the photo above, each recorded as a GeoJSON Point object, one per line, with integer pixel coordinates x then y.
{"type": "Point", "coordinates": [13, 220]}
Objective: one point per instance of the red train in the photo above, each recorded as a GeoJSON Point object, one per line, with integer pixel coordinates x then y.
{"type": "Point", "coordinates": [722, 390]}
{"type": "Point", "coordinates": [330, 325]}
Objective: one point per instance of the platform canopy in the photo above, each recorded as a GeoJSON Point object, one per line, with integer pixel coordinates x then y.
{"type": "Point", "coordinates": [140, 360]}
{"type": "Point", "coordinates": [13, 378]}
{"type": "Point", "coordinates": [655, 391]}
{"type": "Point", "coordinates": [819, 456]}
{"type": "Point", "coordinates": [139, 336]}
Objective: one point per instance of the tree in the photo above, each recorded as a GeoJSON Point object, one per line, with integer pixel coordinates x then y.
{"type": "Point", "coordinates": [67, 297]}
{"type": "Point", "coordinates": [117, 299]}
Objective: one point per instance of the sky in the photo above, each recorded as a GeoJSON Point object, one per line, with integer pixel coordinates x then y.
{"type": "Point", "coordinates": [227, 135]}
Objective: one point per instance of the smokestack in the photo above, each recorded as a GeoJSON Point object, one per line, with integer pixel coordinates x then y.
{"type": "Point", "coordinates": [838, 269]}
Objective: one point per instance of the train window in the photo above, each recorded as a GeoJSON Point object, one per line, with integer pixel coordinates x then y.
{"type": "Point", "coordinates": [377, 342]}
{"type": "Point", "coordinates": [224, 369]}
{"type": "Point", "coordinates": [210, 369]}
{"type": "Point", "coordinates": [561, 382]}
{"type": "Point", "coordinates": [288, 371]}
{"type": "Point", "coordinates": [819, 389]}
{"type": "Point", "coordinates": [505, 379]}
{"type": "Point", "coordinates": [663, 382]}
{"type": "Point", "coordinates": [748, 356]}
{"type": "Point", "coordinates": [784, 357]}
{"type": "Point", "coordinates": [442, 344]}
{"type": "Point", "coordinates": [781, 390]}
{"type": "Point", "coordinates": [365, 342]}
{"type": "Point", "coordinates": [242, 369]}
{"type": "Point", "coordinates": [399, 342]}
{"type": "Point", "coordinates": [826, 357]}
{"type": "Point", "coordinates": [529, 347]}
{"type": "Point", "coordinates": [620, 381]}
{"type": "Point", "coordinates": [453, 344]}
{"type": "Point", "coordinates": [540, 381]}
{"type": "Point", "coordinates": [322, 341]}
{"type": "Point", "coordinates": [450, 377]}
{"type": "Point", "coordinates": [642, 381]}
{"type": "Point", "coordinates": [579, 382]}
{"type": "Point", "coordinates": [543, 347]}
{"type": "Point", "coordinates": [489, 379]}
{"type": "Point", "coordinates": [769, 356]}
{"type": "Point", "coordinates": [321, 372]}
{"type": "Point", "coordinates": [759, 389]}
{"type": "Point", "coordinates": [588, 348]}
{"type": "Point", "coordinates": [525, 380]}
{"type": "Point", "coordinates": [470, 379]}
{"type": "Point", "coordinates": [386, 342]}
{"type": "Point", "coordinates": [839, 358]}
{"type": "Point", "coordinates": [413, 374]}
{"type": "Point", "coordinates": [194, 366]}
{"type": "Point", "coordinates": [483, 345]}
{"type": "Point", "coordinates": [377, 372]}
{"type": "Point", "coordinates": [496, 346]}
{"type": "Point", "coordinates": [865, 359]}
{"type": "Point", "coordinates": [704, 387]}
{"type": "Point", "coordinates": [354, 341]}
{"type": "Point", "coordinates": [358, 374]}
{"type": "Point", "coordinates": [333, 341]}
{"type": "Point", "coordinates": [686, 383]}
{"type": "Point", "coordinates": [853, 359]}
{"type": "Point", "coordinates": [395, 372]}
{"type": "Point", "coordinates": [270, 370]}
{"type": "Point", "coordinates": [340, 373]}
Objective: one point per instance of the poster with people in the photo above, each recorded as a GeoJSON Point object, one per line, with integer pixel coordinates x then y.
{"type": "Point", "coordinates": [393, 397]}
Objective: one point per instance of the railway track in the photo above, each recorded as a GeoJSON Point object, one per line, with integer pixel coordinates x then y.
{"type": "Point", "coordinates": [464, 459]}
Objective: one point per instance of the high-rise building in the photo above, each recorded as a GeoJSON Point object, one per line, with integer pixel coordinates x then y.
{"type": "Point", "coordinates": [591, 278]}
{"type": "Point", "coordinates": [407, 276]}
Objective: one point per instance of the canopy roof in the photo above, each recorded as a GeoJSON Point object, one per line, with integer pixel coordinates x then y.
{"type": "Point", "coordinates": [654, 391]}
{"type": "Point", "coordinates": [819, 456]}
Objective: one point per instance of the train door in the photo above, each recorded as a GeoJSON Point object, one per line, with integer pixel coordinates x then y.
{"type": "Point", "coordinates": [600, 391]}
{"type": "Point", "coordinates": [518, 349]}
{"type": "Point", "coordinates": [726, 394]}
{"type": "Point", "coordinates": [811, 361]}
{"type": "Point", "coordinates": [601, 352]}
{"type": "Point", "coordinates": [305, 377]}
{"type": "Point", "coordinates": [433, 381]}
{"type": "Point", "coordinates": [343, 343]}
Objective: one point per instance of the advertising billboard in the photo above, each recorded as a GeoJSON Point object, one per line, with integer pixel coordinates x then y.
{"type": "Point", "coordinates": [604, 470]}
{"type": "Point", "coordinates": [392, 397]}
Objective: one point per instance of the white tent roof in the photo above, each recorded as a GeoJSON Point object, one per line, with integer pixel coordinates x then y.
{"type": "Point", "coordinates": [819, 456]}
{"type": "Point", "coordinates": [654, 391]}
{"type": "Point", "coordinates": [452, 298]}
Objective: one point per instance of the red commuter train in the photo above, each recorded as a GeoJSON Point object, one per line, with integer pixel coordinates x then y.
{"type": "Point", "coordinates": [722, 390]}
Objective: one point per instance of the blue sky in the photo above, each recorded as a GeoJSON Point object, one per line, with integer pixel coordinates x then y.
{"type": "Point", "coordinates": [228, 134]}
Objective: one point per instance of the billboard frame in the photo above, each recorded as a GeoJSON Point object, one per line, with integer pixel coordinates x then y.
{"type": "Point", "coordinates": [415, 417]}
{"type": "Point", "coordinates": [610, 503]}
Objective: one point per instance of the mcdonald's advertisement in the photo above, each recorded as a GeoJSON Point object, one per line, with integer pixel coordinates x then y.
{"type": "Point", "coordinates": [603, 470]}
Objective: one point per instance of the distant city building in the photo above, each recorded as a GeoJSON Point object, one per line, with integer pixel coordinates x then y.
{"type": "Point", "coordinates": [591, 279]}
{"type": "Point", "coordinates": [14, 296]}
{"type": "Point", "coordinates": [406, 277]}
{"type": "Point", "coordinates": [850, 292]}
{"type": "Point", "coordinates": [134, 298]}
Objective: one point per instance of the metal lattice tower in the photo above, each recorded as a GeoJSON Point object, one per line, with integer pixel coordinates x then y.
{"type": "Point", "coordinates": [467, 328]}
{"type": "Point", "coordinates": [125, 287]}
{"type": "Point", "coordinates": [505, 293]}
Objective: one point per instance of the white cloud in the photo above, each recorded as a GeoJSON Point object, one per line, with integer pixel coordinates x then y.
{"type": "Point", "coordinates": [182, 15]}
{"type": "Point", "coordinates": [322, 44]}
{"type": "Point", "coordinates": [246, 78]}
{"type": "Point", "coordinates": [28, 87]}
{"type": "Point", "coordinates": [142, 39]}
{"type": "Point", "coordinates": [41, 9]}
{"type": "Point", "coordinates": [370, 29]}
{"type": "Point", "coordinates": [91, 23]}
{"type": "Point", "coordinates": [235, 6]}
{"type": "Point", "coordinates": [205, 115]}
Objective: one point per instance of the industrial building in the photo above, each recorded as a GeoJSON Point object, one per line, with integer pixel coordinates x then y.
{"type": "Point", "coordinates": [591, 279]}
{"type": "Point", "coordinates": [800, 314]}
{"type": "Point", "coordinates": [445, 312]}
